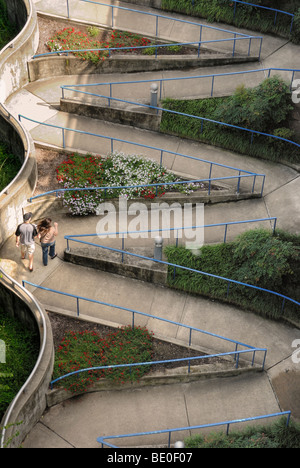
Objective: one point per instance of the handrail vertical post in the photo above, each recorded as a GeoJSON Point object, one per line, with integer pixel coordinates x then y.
{"type": "Point", "coordinates": [110, 94]}
{"type": "Point", "coordinates": [234, 10]}
{"type": "Point", "coordinates": [253, 358]}
{"type": "Point", "coordinates": [169, 441]}
{"type": "Point", "coordinates": [254, 180]}
{"type": "Point", "coordinates": [225, 233]}
{"type": "Point", "coordinates": [190, 338]}
{"type": "Point", "coordinates": [212, 86]}
{"type": "Point", "coordinates": [77, 300]}
{"type": "Point", "coordinates": [123, 248]}
{"type": "Point", "coordinates": [261, 42]}
{"type": "Point", "coordinates": [237, 361]}
{"type": "Point", "coordinates": [112, 16]}
{"type": "Point", "coordinates": [200, 41]}
{"type": "Point", "coordinates": [234, 43]}
{"type": "Point", "coordinates": [239, 183]}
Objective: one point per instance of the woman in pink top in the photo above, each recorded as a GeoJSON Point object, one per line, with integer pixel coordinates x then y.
{"type": "Point", "coordinates": [47, 234]}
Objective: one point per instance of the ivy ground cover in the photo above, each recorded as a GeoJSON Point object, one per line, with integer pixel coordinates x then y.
{"type": "Point", "coordinates": [124, 176]}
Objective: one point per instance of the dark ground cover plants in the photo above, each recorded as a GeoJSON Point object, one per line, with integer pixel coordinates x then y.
{"type": "Point", "coordinates": [246, 16]}
{"type": "Point", "coordinates": [22, 347]}
{"type": "Point", "coordinates": [256, 257]}
{"type": "Point", "coordinates": [265, 108]}
{"type": "Point", "coordinates": [275, 435]}
{"type": "Point", "coordinates": [7, 30]}
{"type": "Point", "coordinates": [9, 166]}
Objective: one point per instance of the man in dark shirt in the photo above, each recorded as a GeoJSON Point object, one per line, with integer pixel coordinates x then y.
{"type": "Point", "coordinates": [25, 234]}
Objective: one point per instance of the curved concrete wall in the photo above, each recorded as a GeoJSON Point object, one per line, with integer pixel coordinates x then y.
{"type": "Point", "coordinates": [30, 403]}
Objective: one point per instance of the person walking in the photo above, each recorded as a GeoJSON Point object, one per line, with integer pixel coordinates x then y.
{"type": "Point", "coordinates": [25, 235]}
{"type": "Point", "coordinates": [47, 234]}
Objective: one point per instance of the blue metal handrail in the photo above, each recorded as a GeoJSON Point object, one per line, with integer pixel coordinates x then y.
{"type": "Point", "coordinates": [236, 2]}
{"type": "Point", "coordinates": [102, 439]}
{"type": "Point", "coordinates": [163, 184]}
{"type": "Point", "coordinates": [192, 270]}
{"type": "Point", "coordinates": [166, 80]}
{"type": "Point", "coordinates": [242, 173]}
{"type": "Point", "coordinates": [164, 17]}
{"type": "Point", "coordinates": [236, 353]}
{"type": "Point", "coordinates": [156, 46]}
{"type": "Point", "coordinates": [157, 16]}
{"type": "Point", "coordinates": [143, 314]}
{"type": "Point", "coordinates": [161, 230]}
{"type": "Point", "coordinates": [202, 119]}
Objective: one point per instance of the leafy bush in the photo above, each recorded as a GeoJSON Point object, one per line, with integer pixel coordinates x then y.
{"type": "Point", "coordinates": [256, 258]}
{"type": "Point", "coordinates": [87, 349]}
{"type": "Point", "coordinates": [263, 109]}
{"type": "Point", "coordinates": [250, 17]}
{"type": "Point", "coordinates": [9, 166]}
{"type": "Point", "coordinates": [276, 435]}
{"type": "Point", "coordinates": [296, 28]}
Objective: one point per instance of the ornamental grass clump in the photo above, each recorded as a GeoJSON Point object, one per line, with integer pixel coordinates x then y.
{"type": "Point", "coordinates": [124, 176]}
{"type": "Point", "coordinates": [87, 350]}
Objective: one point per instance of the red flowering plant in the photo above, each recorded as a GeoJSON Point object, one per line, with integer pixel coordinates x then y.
{"type": "Point", "coordinates": [81, 172]}
{"type": "Point", "coordinates": [69, 39]}
{"type": "Point", "coordinates": [84, 350]}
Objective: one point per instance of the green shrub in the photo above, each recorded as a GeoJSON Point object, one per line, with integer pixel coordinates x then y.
{"type": "Point", "coordinates": [276, 435]}
{"type": "Point", "coordinates": [263, 109]}
{"type": "Point", "coordinates": [256, 258]}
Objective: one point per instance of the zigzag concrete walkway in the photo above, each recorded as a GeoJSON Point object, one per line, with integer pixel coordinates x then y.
{"type": "Point", "coordinates": [77, 423]}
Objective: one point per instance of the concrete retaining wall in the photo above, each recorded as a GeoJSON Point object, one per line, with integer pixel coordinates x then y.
{"type": "Point", "coordinates": [146, 119]}
{"type": "Point", "coordinates": [14, 57]}
{"type": "Point", "coordinates": [30, 403]}
{"type": "Point", "coordinates": [28, 406]}
{"type": "Point", "coordinates": [14, 75]}
{"type": "Point", "coordinates": [46, 67]}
